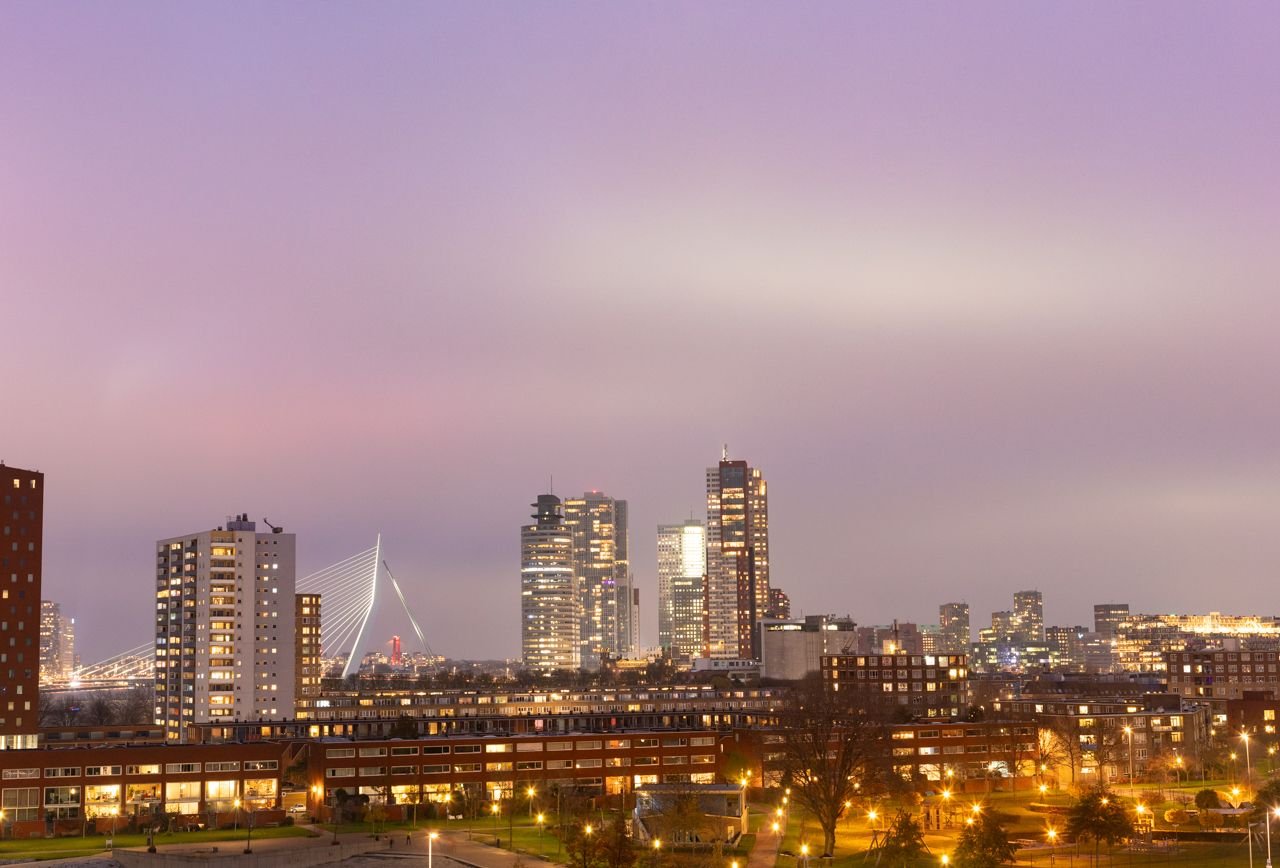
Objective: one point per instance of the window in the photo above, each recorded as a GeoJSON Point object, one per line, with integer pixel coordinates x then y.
{"type": "Point", "coordinates": [261, 765]}
{"type": "Point", "coordinates": [528, 765]}
{"type": "Point", "coordinates": [461, 768]}
{"type": "Point", "coordinates": [182, 768]}
{"type": "Point", "coordinates": [404, 751]}
{"type": "Point", "coordinates": [20, 774]}
{"type": "Point", "coordinates": [373, 751]}
{"type": "Point", "coordinates": [21, 804]}
{"type": "Point", "coordinates": [435, 749]}
{"type": "Point", "coordinates": [589, 764]}
{"type": "Point", "coordinates": [62, 773]}
{"type": "Point", "coordinates": [497, 748]}
{"type": "Point", "coordinates": [340, 752]}
{"type": "Point", "coordinates": [99, 771]}
{"type": "Point", "coordinates": [435, 770]}
{"type": "Point", "coordinates": [372, 771]}
{"type": "Point", "coordinates": [340, 772]}
{"type": "Point", "coordinates": [467, 748]}
{"type": "Point", "coordinates": [559, 764]}
{"type": "Point", "coordinates": [403, 770]}
{"type": "Point", "coordinates": [528, 746]}
{"type": "Point", "coordinates": [589, 745]}
{"type": "Point", "coordinates": [222, 767]}
{"type": "Point", "coordinates": [559, 745]}
{"type": "Point", "coordinates": [148, 769]}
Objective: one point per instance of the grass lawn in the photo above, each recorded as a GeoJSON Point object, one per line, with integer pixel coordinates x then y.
{"type": "Point", "coordinates": [64, 848]}
{"type": "Point", "coordinates": [854, 836]}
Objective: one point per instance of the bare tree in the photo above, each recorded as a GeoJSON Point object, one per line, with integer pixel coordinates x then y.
{"type": "Point", "coordinates": [835, 745]}
{"type": "Point", "coordinates": [1063, 737]}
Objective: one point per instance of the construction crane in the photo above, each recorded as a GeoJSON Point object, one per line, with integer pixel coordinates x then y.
{"type": "Point", "coordinates": [274, 529]}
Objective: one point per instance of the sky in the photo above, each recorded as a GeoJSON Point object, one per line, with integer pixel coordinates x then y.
{"type": "Point", "coordinates": [987, 290]}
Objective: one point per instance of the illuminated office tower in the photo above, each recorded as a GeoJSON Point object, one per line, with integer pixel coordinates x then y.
{"type": "Point", "coordinates": [57, 642]}
{"type": "Point", "coordinates": [737, 588]}
{"type": "Point", "coordinates": [1028, 616]}
{"type": "Point", "coordinates": [550, 625]}
{"type": "Point", "coordinates": [597, 525]}
{"type": "Point", "coordinates": [21, 555]}
{"type": "Point", "coordinates": [682, 566]}
{"type": "Point", "coordinates": [225, 612]}
{"type": "Point", "coordinates": [953, 619]}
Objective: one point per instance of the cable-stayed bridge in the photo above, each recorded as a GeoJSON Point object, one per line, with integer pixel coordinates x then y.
{"type": "Point", "coordinates": [349, 592]}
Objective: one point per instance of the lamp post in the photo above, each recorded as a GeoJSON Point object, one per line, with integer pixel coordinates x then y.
{"type": "Point", "coordinates": [804, 852]}
{"type": "Point", "coordinates": [431, 837]}
{"type": "Point", "coordinates": [657, 849]}
{"type": "Point", "coordinates": [1051, 836]}
{"type": "Point", "coordinates": [235, 815]}
{"type": "Point", "coordinates": [248, 832]}
{"type": "Point", "coordinates": [1128, 730]}
{"type": "Point", "coordinates": [1248, 766]}
{"type": "Point", "coordinates": [541, 819]}
{"type": "Point", "coordinates": [1270, 813]}
{"type": "Point", "coordinates": [497, 809]}
{"type": "Point", "coordinates": [531, 792]}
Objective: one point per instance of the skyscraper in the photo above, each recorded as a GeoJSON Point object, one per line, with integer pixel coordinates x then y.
{"type": "Point", "coordinates": [953, 618]}
{"type": "Point", "coordinates": [21, 556]}
{"type": "Point", "coordinates": [57, 642]}
{"type": "Point", "coordinates": [597, 525]}
{"type": "Point", "coordinates": [1107, 618]}
{"type": "Point", "coordinates": [550, 625]}
{"type": "Point", "coordinates": [682, 566]}
{"type": "Point", "coordinates": [1028, 616]}
{"type": "Point", "coordinates": [737, 592]}
{"type": "Point", "coordinates": [224, 626]}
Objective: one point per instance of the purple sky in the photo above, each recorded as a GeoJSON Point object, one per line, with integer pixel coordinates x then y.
{"type": "Point", "coordinates": [989, 291]}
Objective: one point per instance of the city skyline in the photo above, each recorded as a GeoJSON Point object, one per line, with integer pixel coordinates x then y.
{"type": "Point", "coordinates": [986, 291]}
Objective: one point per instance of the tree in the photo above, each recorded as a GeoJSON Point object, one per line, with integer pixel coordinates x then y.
{"type": "Point", "coordinates": [903, 841]}
{"type": "Point", "coordinates": [1057, 745]}
{"type": "Point", "coordinates": [1099, 817]}
{"type": "Point", "coordinates": [616, 847]}
{"type": "Point", "coordinates": [1265, 800]}
{"type": "Point", "coordinates": [138, 705]}
{"type": "Point", "coordinates": [984, 843]}
{"type": "Point", "coordinates": [833, 740]}
{"type": "Point", "coordinates": [583, 847]}
{"type": "Point", "coordinates": [1207, 800]}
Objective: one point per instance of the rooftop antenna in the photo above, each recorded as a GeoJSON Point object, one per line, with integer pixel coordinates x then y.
{"type": "Point", "coordinates": [724, 452]}
{"type": "Point", "coordinates": [551, 484]}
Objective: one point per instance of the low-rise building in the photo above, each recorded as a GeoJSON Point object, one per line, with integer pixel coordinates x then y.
{"type": "Point", "coordinates": [926, 685]}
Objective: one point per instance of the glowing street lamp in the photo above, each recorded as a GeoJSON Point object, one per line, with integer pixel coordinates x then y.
{"type": "Point", "coordinates": [541, 819]}
{"type": "Point", "coordinates": [946, 860]}
{"type": "Point", "coordinates": [431, 837]}
{"type": "Point", "coordinates": [1248, 766]}
{"type": "Point", "coordinates": [531, 792]}
{"type": "Point", "coordinates": [804, 851]}
{"type": "Point", "coordinates": [776, 827]}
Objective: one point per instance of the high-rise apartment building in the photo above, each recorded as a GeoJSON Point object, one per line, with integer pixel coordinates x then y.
{"type": "Point", "coordinates": [737, 591]}
{"type": "Point", "coordinates": [550, 624]}
{"type": "Point", "coordinates": [1028, 616]}
{"type": "Point", "coordinates": [225, 610]}
{"type": "Point", "coordinates": [57, 642]}
{"type": "Point", "coordinates": [682, 566]}
{"type": "Point", "coordinates": [1107, 618]}
{"type": "Point", "coordinates": [21, 556]}
{"type": "Point", "coordinates": [779, 604]}
{"type": "Point", "coordinates": [308, 670]}
{"type": "Point", "coordinates": [597, 525]}
{"type": "Point", "coordinates": [953, 619]}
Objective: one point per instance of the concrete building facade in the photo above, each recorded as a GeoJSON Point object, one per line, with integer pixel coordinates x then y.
{"type": "Point", "coordinates": [682, 567]}
{"type": "Point", "coordinates": [550, 623]}
{"type": "Point", "coordinates": [225, 637]}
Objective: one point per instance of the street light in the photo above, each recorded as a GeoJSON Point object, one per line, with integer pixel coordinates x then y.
{"type": "Point", "coordinates": [531, 792]}
{"type": "Point", "coordinates": [776, 827]}
{"type": "Point", "coordinates": [248, 831]}
{"type": "Point", "coordinates": [1248, 766]}
{"type": "Point", "coordinates": [804, 851]}
{"type": "Point", "coordinates": [541, 819]}
{"type": "Point", "coordinates": [497, 809]}
{"type": "Point", "coordinates": [431, 836]}
{"type": "Point", "coordinates": [946, 860]}
{"type": "Point", "coordinates": [1276, 813]}
{"type": "Point", "coordinates": [235, 817]}
{"type": "Point", "coordinates": [1128, 730]}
